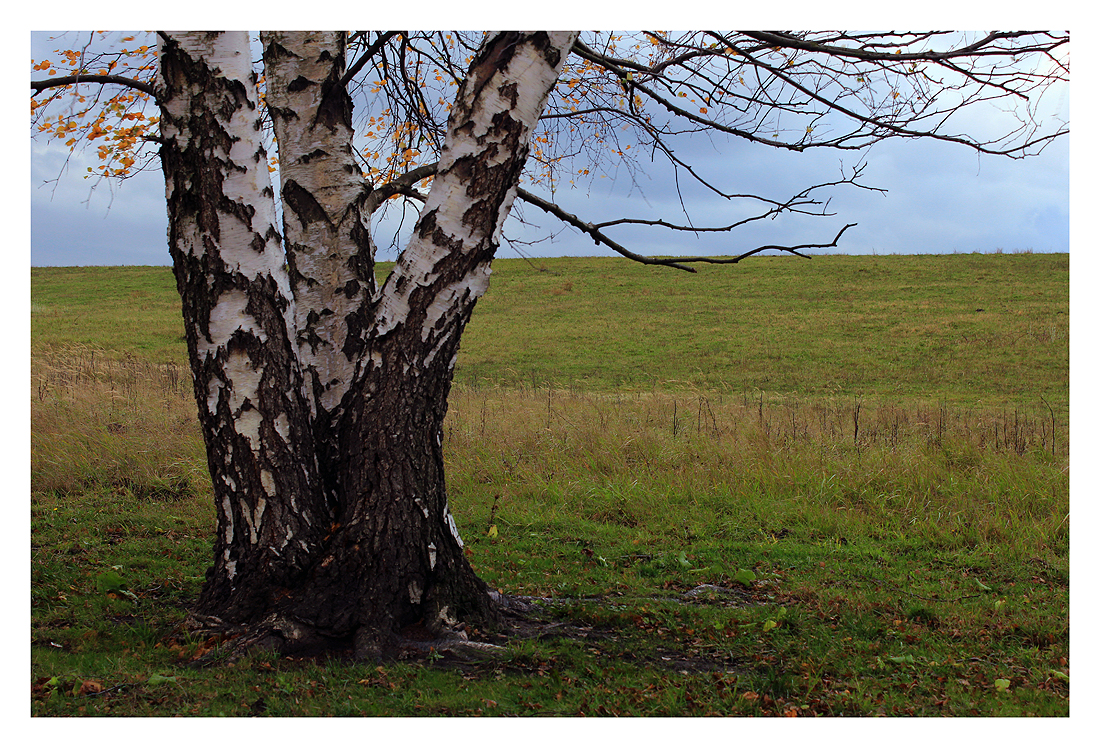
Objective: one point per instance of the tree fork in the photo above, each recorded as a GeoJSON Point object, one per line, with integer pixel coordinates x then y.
{"type": "Point", "coordinates": [397, 558]}
{"type": "Point", "coordinates": [332, 501]}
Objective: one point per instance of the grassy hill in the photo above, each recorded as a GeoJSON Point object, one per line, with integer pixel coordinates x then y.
{"type": "Point", "coordinates": [826, 487]}
{"type": "Point", "coordinates": [960, 329]}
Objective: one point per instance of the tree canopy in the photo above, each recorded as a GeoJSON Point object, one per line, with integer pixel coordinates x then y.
{"type": "Point", "coordinates": [624, 100]}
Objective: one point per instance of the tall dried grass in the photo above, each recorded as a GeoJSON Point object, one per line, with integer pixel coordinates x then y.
{"type": "Point", "coordinates": [683, 461]}
{"type": "Point", "coordinates": [748, 466]}
{"type": "Point", "coordinates": [122, 423]}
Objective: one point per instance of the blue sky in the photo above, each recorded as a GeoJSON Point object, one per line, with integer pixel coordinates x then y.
{"type": "Point", "coordinates": [940, 197]}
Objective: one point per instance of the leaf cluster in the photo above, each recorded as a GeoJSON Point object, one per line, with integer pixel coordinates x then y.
{"type": "Point", "coordinates": [76, 107]}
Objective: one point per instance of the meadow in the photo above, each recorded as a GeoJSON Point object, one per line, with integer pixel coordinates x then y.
{"type": "Point", "coordinates": [801, 488]}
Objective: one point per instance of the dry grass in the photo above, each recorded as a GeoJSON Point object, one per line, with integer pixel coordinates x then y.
{"type": "Point", "coordinates": [98, 420]}
{"type": "Point", "coordinates": [744, 466]}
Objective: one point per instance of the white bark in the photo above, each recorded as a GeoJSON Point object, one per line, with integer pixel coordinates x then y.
{"type": "Point", "coordinates": [528, 77]}
{"type": "Point", "coordinates": [236, 292]}
{"type": "Point", "coordinates": [247, 178]}
{"type": "Point", "coordinates": [245, 240]}
{"type": "Point", "coordinates": [317, 167]}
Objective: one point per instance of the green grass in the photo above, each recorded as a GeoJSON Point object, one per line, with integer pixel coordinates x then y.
{"type": "Point", "coordinates": [917, 565]}
{"type": "Point", "coordinates": [989, 330]}
{"type": "Point", "coordinates": [965, 329]}
{"type": "Point", "coordinates": [96, 307]}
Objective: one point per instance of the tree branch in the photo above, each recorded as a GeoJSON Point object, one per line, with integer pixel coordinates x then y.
{"type": "Point", "coordinates": [680, 263]}
{"type": "Point", "coordinates": [70, 80]}
{"type": "Point", "coordinates": [366, 57]}
{"type": "Point", "coordinates": [402, 185]}
{"type": "Point", "coordinates": [976, 49]}
{"type": "Point", "coordinates": [598, 236]}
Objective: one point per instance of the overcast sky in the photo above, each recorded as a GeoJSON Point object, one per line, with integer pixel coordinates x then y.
{"type": "Point", "coordinates": [940, 197]}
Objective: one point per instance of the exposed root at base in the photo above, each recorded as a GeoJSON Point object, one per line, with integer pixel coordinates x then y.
{"type": "Point", "coordinates": [230, 642]}
{"type": "Point", "coordinates": [520, 618]}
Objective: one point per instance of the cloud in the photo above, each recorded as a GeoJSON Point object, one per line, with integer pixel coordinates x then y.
{"type": "Point", "coordinates": [941, 198]}
{"type": "Point", "coordinates": [77, 221]}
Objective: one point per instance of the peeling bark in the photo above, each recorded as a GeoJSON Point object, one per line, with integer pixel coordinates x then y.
{"type": "Point", "coordinates": [397, 538]}
{"type": "Point", "coordinates": [328, 243]}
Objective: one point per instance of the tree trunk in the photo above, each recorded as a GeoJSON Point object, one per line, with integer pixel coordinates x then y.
{"type": "Point", "coordinates": [328, 246]}
{"type": "Point", "coordinates": [322, 399]}
{"type": "Point", "coordinates": [238, 315]}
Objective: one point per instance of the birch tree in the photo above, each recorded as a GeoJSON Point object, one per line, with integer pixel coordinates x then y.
{"type": "Point", "coordinates": [321, 393]}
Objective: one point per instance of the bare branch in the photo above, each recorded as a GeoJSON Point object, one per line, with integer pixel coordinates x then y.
{"type": "Point", "coordinates": [982, 47]}
{"type": "Point", "coordinates": [680, 263]}
{"type": "Point", "coordinates": [366, 57]}
{"type": "Point", "coordinates": [402, 185]}
{"type": "Point", "coordinates": [598, 236]}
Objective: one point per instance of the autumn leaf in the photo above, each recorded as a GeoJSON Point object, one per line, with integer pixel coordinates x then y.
{"type": "Point", "coordinates": [157, 679]}
{"type": "Point", "coordinates": [89, 686]}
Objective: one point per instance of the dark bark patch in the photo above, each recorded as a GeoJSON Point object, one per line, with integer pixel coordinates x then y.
{"type": "Point", "coordinates": [300, 83]}
{"type": "Point", "coordinates": [316, 153]}
{"type": "Point", "coordinates": [493, 58]}
{"type": "Point", "coordinates": [275, 51]}
{"type": "Point", "coordinates": [303, 204]}
{"type": "Point", "coordinates": [284, 113]}
{"type": "Point", "coordinates": [297, 278]}
{"type": "Point", "coordinates": [427, 228]}
{"type": "Point", "coordinates": [236, 97]}
{"type": "Point", "coordinates": [357, 326]}
{"type": "Point", "coordinates": [510, 91]}
{"type": "Point", "coordinates": [550, 53]}
{"type": "Point", "coordinates": [336, 105]}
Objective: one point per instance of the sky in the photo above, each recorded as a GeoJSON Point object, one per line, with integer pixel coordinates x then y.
{"type": "Point", "coordinates": [939, 197]}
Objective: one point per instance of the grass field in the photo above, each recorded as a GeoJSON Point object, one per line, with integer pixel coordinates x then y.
{"type": "Point", "coordinates": [835, 487]}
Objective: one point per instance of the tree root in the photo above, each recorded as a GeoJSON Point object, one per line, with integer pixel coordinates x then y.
{"type": "Point", "coordinates": [443, 635]}
{"type": "Point", "coordinates": [228, 643]}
